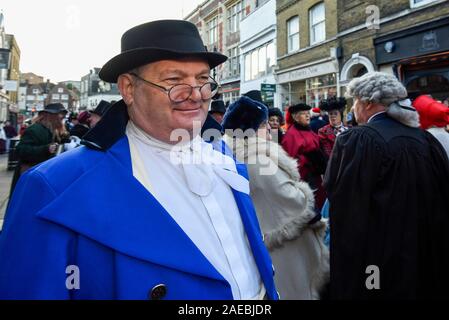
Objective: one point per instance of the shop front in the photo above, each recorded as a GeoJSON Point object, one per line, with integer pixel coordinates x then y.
{"type": "Point", "coordinates": [308, 84]}
{"type": "Point", "coordinates": [419, 57]}
{"type": "Point", "coordinates": [230, 92]}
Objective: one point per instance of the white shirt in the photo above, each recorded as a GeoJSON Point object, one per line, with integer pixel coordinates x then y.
{"type": "Point", "coordinates": [199, 198]}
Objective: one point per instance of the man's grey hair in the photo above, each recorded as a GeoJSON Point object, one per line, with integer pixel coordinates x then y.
{"type": "Point", "coordinates": [387, 90]}
{"type": "Point", "coordinates": [377, 87]}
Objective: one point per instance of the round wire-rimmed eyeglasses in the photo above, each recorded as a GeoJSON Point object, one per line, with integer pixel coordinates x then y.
{"type": "Point", "coordinates": [182, 92]}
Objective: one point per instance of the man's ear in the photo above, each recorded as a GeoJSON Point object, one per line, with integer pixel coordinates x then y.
{"type": "Point", "coordinates": [126, 86]}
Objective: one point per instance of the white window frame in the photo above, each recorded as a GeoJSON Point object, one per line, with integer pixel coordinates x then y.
{"type": "Point", "coordinates": [234, 61]}
{"type": "Point", "coordinates": [235, 15]}
{"type": "Point", "coordinates": [247, 64]}
{"type": "Point", "coordinates": [212, 30]}
{"type": "Point", "coordinates": [290, 36]}
{"type": "Point", "coordinates": [413, 4]}
{"type": "Point", "coordinates": [313, 25]}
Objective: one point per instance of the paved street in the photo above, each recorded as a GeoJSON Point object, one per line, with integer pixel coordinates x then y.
{"type": "Point", "coordinates": [5, 183]}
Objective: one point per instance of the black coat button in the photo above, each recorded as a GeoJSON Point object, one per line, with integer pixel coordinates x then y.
{"type": "Point", "coordinates": [158, 292]}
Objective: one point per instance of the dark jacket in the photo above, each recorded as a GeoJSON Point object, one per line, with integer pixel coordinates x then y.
{"type": "Point", "coordinates": [10, 131]}
{"type": "Point", "coordinates": [32, 149]}
{"type": "Point", "coordinates": [388, 188]}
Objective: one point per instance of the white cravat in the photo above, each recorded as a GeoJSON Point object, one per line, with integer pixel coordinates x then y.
{"type": "Point", "coordinates": [192, 182]}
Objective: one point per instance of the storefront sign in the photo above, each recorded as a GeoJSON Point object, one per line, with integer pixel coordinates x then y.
{"type": "Point", "coordinates": [268, 87]}
{"type": "Point", "coordinates": [413, 42]}
{"type": "Point", "coordinates": [308, 72]}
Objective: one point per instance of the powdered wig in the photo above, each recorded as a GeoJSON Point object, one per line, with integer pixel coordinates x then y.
{"type": "Point", "coordinates": [377, 87]}
{"type": "Point", "coordinates": [385, 89]}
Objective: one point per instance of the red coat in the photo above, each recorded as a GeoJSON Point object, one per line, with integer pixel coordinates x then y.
{"type": "Point", "coordinates": [302, 144]}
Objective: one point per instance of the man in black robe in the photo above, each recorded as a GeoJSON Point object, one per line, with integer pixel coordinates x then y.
{"type": "Point", "coordinates": [388, 186]}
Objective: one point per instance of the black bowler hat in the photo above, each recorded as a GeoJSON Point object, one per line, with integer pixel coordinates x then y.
{"type": "Point", "coordinates": [102, 107]}
{"type": "Point", "coordinates": [158, 40]}
{"type": "Point", "coordinates": [54, 108]}
{"type": "Point", "coordinates": [217, 106]}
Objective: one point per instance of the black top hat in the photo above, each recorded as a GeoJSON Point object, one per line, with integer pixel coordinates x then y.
{"type": "Point", "coordinates": [255, 95]}
{"type": "Point", "coordinates": [102, 107]}
{"type": "Point", "coordinates": [158, 40]}
{"type": "Point", "coordinates": [217, 106]}
{"type": "Point", "coordinates": [54, 108]}
{"type": "Point", "coordinates": [333, 103]}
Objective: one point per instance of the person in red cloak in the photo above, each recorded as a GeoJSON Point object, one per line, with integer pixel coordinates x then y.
{"type": "Point", "coordinates": [303, 144]}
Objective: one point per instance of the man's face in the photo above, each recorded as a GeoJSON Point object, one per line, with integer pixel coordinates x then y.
{"type": "Point", "coordinates": [302, 118]}
{"type": "Point", "coordinates": [151, 109]}
{"type": "Point", "coordinates": [274, 122]}
{"type": "Point", "coordinates": [217, 116]}
{"type": "Point", "coordinates": [93, 120]}
{"type": "Point", "coordinates": [360, 111]}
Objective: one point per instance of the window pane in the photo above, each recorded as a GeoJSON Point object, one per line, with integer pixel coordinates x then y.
{"type": "Point", "coordinates": [293, 25]}
{"type": "Point", "coordinates": [271, 54]}
{"type": "Point", "coordinates": [318, 13]}
{"type": "Point", "coordinates": [262, 61]}
{"type": "Point", "coordinates": [247, 67]}
{"type": "Point", "coordinates": [293, 34]}
{"type": "Point", "coordinates": [320, 32]}
{"type": "Point", "coordinates": [254, 64]}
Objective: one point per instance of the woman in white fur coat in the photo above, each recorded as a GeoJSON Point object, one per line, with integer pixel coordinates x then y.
{"type": "Point", "coordinates": [284, 204]}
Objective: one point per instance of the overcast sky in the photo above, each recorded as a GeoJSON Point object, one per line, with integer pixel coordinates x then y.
{"type": "Point", "coordinates": [64, 39]}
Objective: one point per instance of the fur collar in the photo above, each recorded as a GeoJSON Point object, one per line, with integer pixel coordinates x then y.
{"type": "Point", "coordinates": [407, 117]}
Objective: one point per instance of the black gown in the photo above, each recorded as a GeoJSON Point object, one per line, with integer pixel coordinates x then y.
{"type": "Point", "coordinates": [388, 187]}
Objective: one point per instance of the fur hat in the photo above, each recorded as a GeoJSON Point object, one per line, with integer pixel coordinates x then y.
{"type": "Point", "coordinates": [276, 112]}
{"type": "Point", "coordinates": [333, 103]}
{"type": "Point", "coordinates": [298, 107]}
{"type": "Point", "coordinates": [244, 114]}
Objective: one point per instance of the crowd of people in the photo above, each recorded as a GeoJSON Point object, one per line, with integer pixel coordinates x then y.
{"type": "Point", "coordinates": [296, 205]}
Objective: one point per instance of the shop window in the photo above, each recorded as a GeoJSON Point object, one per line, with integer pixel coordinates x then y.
{"type": "Point", "coordinates": [293, 34]}
{"type": "Point", "coordinates": [319, 88]}
{"type": "Point", "coordinates": [435, 85]}
{"type": "Point", "coordinates": [317, 20]}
